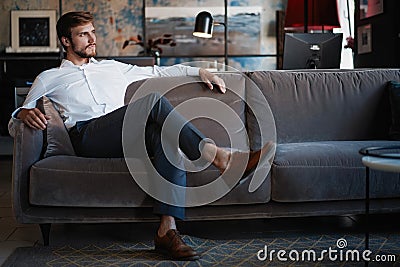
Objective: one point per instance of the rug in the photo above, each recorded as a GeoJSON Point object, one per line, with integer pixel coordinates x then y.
{"type": "Point", "coordinates": [283, 249]}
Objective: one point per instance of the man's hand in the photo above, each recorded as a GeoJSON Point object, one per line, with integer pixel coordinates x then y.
{"type": "Point", "coordinates": [210, 79]}
{"type": "Point", "coordinates": [34, 118]}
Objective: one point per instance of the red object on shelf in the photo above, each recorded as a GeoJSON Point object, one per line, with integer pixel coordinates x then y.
{"type": "Point", "coordinates": [322, 15]}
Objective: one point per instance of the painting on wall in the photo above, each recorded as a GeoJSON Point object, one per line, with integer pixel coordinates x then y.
{"type": "Point", "coordinates": [364, 38]}
{"type": "Point", "coordinates": [33, 31]}
{"type": "Point", "coordinates": [177, 24]}
{"type": "Point", "coordinates": [369, 8]}
{"type": "Point", "coordinates": [251, 30]}
{"type": "Point", "coordinates": [115, 21]}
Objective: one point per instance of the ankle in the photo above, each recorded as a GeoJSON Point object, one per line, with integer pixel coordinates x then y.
{"type": "Point", "coordinates": [167, 223]}
{"type": "Point", "coordinates": [209, 152]}
{"type": "Point", "coordinates": [221, 159]}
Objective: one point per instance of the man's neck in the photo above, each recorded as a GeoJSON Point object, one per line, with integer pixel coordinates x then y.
{"type": "Point", "coordinates": [77, 60]}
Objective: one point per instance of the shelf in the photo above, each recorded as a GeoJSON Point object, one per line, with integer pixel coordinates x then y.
{"type": "Point", "coordinates": [29, 56]}
{"type": "Point", "coordinates": [229, 56]}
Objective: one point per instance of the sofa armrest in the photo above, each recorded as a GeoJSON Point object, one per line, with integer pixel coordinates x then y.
{"type": "Point", "coordinates": [28, 146]}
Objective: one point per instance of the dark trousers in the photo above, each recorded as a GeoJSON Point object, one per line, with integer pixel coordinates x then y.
{"type": "Point", "coordinates": [102, 137]}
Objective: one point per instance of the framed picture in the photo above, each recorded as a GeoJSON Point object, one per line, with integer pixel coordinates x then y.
{"type": "Point", "coordinates": [33, 31]}
{"type": "Point", "coordinates": [244, 33]}
{"type": "Point", "coordinates": [369, 8]}
{"type": "Point", "coordinates": [364, 39]}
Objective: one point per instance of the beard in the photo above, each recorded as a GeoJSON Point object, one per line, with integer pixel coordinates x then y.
{"type": "Point", "coordinates": [82, 52]}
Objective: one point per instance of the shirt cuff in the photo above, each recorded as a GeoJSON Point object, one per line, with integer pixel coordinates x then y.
{"type": "Point", "coordinates": [25, 106]}
{"type": "Point", "coordinates": [15, 113]}
{"type": "Point", "coordinates": [193, 71]}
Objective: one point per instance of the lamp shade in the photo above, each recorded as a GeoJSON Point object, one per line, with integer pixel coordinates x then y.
{"type": "Point", "coordinates": [204, 25]}
{"type": "Point", "coordinates": [322, 15]}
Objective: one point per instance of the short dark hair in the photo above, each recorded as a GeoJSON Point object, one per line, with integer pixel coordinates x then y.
{"type": "Point", "coordinates": [70, 20]}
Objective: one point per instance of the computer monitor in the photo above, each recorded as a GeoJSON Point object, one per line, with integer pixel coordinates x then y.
{"type": "Point", "coordinates": [312, 50]}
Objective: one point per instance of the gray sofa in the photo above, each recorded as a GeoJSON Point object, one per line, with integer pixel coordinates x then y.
{"type": "Point", "coordinates": [320, 120]}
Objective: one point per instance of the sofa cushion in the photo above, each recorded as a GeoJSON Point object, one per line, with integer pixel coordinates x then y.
{"type": "Point", "coordinates": [183, 89]}
{"type": "Point", "coordinates": [84, 182]}
{"type": "Point", "coordinates": [56, 135]}
{"type": "Point", "coordinates": [394, 95]}
{"type": "Point", "coordinates": [323, 171]}
{"type": "Point", "coordinates": [260, 120]}
{"type": "Point", "coordinates": [106, 182]}
{"type": "Point", "coordinates": [328, 105]}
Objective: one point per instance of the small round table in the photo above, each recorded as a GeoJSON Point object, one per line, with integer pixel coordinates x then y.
{"type": "Point", "coordinates": [382, 159]}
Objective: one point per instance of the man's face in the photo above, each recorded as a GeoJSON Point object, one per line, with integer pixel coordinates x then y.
{"type": "Point", "coordinates": [83, 41]}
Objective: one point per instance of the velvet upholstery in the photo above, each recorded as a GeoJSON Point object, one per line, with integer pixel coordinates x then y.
{"type": "Point", "coordinates": [57, 138]}
{"type": "Point", "coordinates": [394, 96]}
{"type": "Point", "coordinates": [322, 118]}
{"type": "Point", "coordinates": [181, 89]}
{"type": "Point", "coordinates": [326, 171]}
{"type": "Point", "coordinates": [328, 105]}
{"type": "Point", "coordinates": [58, 180]}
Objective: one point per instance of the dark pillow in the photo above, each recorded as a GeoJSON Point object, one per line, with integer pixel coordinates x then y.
{"type": "Point", "coordinates": [394, 96]}
{"type": "Point", "coordinates": [58, 141]}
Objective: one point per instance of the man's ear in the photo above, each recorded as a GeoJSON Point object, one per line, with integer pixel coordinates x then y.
{"type": "Point", "coordinates": [65, 41]}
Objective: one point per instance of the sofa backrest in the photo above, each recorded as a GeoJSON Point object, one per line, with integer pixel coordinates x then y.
{"type": "Point", "coordinates": [328, 105]}
{"type": "Point", "coordinates": [183, 90]}
{"type": "Point", "coordinates": [178, 90]}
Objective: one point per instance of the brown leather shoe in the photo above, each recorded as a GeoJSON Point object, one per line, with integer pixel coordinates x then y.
{"type": "Point", "coordinates": [172, 245]}
{"type": "Point", "coordinates": [253, 158]}
{"type": "Point", "coordinates": [256, 156]}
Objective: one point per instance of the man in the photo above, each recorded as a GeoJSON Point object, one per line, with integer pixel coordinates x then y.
{"type": "Point", "coordinates": [89, 96]}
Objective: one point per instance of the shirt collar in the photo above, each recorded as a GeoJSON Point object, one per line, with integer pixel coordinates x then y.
{"type": "Point", "coordinates": [68, 63]}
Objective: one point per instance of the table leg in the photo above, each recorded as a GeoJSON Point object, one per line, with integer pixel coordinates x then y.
{"type": "Point", "coordinates": [366, 223]}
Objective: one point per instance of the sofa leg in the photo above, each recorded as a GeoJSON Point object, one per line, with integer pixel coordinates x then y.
{"type": "Point", "coordinates": [45, 229]}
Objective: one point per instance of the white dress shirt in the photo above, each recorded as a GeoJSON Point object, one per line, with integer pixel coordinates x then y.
{"type": "Point", "coordinates": [89, 91]}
